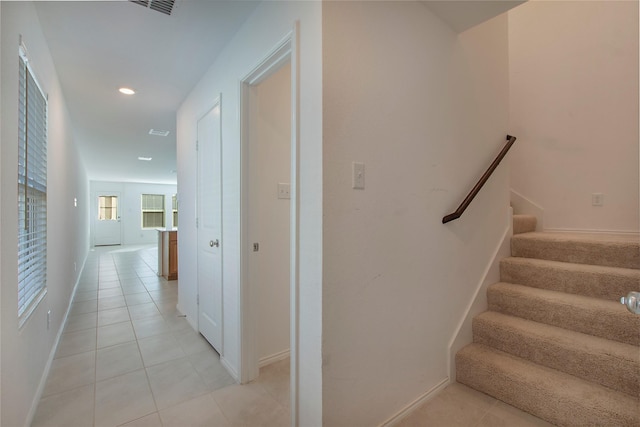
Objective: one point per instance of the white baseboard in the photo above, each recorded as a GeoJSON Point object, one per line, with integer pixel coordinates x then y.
{"type": "Point", "coordinates": [423, 398]}
{"type": "Point", "coordinates": [54, 349]}
{"type": "Point", "coordinates": [230, 369]}
{"type": "Point", "coordinates": [268, 360]}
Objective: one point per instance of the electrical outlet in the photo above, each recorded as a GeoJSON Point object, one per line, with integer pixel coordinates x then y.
{"type": "Point", "coordinates": [597, 199]}
{"type": "Point", "coordinates": [284, 190]}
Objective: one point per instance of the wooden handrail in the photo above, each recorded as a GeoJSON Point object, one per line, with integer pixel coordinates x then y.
{"type": "Point", "coordinates": [474, 192]}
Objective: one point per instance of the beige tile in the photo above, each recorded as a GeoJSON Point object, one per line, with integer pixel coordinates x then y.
{"type": "Point", "coordinates": [202, 411]}
{"type": "Point", "coordinates": [177, 322]}
{"type": "Point", "coordinates": [138, 298]}
{"type": "Point", "coordinates": [117, 360]}
{"type": "Point", "coordinates": [150, 326]}
{"type": "Point", "coordinates": [71, 408]}
{"type": "Point", "coordinates": [82, 307]}
{"type": "Point", "coordinates": [211, 370]}
{"type": "Point", "coordinates": [115, 315]}
{"type": "Point", "coordinates": [143, 310]}
{"type": "Point", "coordinates": [250, 405]}
{"type": "Point", "coordinates": [503, 415]}
{"type": "Point", "coordinates": [192, 342]}
{"type": "Point", "coordinates": [80, 322]}
{"type": "Point", "coordinates": [85, 295]}
{"type": "Point", "coordinates": [469, 395]}
{"type": "Point", "coordinates": [151, 420]}
{"type": "Point", "coordinates": [175, 382]}
{"type": "Point", "coordinates": [76, 342]}
{"type": "Point", "coordinates": [70, 372]}
{"type": "Point", "coordinates": [111, 302]}
{"type": "Point", "coordinates": [275, 379]}
{"type": "Point", "coordinates": [123, 399]}
{"type": "Point", "coordinates": [115, 334]}
{"type": "Point", "coordinates": [159, 349]}
{"type": "Point", "coordinates": [164, 294]}
{"type": "Point", "coordinates": [168, 306]}
{"type": "Point", "coordinates": [109, 283]}
{"type": "Point", "coordinates": [444, 411]}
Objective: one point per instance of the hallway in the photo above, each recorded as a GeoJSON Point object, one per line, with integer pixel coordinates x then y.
{"type": "Point", "coordinates": [126, 357]}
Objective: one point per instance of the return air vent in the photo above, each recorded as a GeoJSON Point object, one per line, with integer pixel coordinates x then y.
{"type": "Point", "coordinates": [162, 6]}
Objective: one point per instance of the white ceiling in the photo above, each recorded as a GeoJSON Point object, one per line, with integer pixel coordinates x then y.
{"type": "Point", "coordinates": [99, 46]}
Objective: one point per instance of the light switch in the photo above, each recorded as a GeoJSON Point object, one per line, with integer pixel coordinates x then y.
{"type": "Point", "coordinates": [358, 176]}
{"type": "Point", "coordinates": [284, 190]}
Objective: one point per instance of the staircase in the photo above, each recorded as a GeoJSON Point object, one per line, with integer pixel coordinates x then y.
{"type": "Point", "coordinates": [556, 342]}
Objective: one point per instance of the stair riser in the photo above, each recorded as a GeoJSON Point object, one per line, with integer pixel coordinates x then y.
{"type": "Point", "coordinates": [603, 319]}
{"type": "Point", "coordinates": [626, 255]}
{"type": "Point", "coordinates": [524, 224]}
{"type": "Point", "coordinates": [617, 371]}
{"type": "Point", "coordinates": [553, 396]}
{"type": "Point", "coordinates": [605, 285]}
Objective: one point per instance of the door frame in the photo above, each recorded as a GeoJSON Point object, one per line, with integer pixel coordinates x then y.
{"type": "Point", "coordinates": [95, 211]}
{"type": "Point", "coordinates": [286, 50]}
{"type": "Point", "coordinates": [217, 102]}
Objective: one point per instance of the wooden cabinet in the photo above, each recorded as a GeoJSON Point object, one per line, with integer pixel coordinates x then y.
{"type": "Point", "coordinates": [168, 254]}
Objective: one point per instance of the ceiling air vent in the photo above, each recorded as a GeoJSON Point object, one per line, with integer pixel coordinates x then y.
{"type": "Point", "coordinates": [162, 6]}
{"type": "Point", "coordinates": [158, 132]}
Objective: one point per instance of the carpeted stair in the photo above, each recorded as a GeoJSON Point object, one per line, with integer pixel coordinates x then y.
{"type": "Point", "coordinates": [556, 342]}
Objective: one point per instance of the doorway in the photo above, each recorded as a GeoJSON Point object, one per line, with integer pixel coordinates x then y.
{"type": "Point", "coordinates": [267, 190]}
{"type": "Point", "coordinates": [209, 227]}
{"type": "Point", "coordinates": [107, 225]}
{"type": "Point", "coordinates": [268, 178]}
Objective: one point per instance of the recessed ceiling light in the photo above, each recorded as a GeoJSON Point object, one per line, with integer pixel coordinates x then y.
{"type": "Point", "coordinates": [127, 91]}
{"type": "Point", "coordinates": [158, 132]}
{"type": "Point", "coordinates": [145, 159]}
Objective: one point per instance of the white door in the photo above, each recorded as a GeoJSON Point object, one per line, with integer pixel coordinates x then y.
{"type": "Point", "coordinates": [209, 224]}
{"type": "Point", "coordinates": [107, 221]}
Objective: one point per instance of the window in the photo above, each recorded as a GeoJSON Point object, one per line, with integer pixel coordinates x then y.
{"type": "Point", "coordinates": [152, 210]}
{"type": "Point", "coordinates": [174, 208]}
{"type": "Point", "coordinates": [32, 191]}
{"type": "Point", "coordinates": [108, 208]}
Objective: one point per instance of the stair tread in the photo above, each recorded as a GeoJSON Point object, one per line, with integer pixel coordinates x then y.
{"type": "Point", "coordinates": [594, 316]}
{"type": "Point", "coordinates": [583, 279]}
{"type": "Point", "coordinates": [552, 395]}
{"type": "Point", "coordinates": [583, 237]}
{"type": "Point", "coordinates": [610, 363]}
{"type": "Point", "coordinates": [570, 266]}
{"type": "Point", "coordinates": [618, 250]}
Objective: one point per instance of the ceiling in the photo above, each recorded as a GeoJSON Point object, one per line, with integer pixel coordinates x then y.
{"type": "Point", "coordinates": [100, 46]}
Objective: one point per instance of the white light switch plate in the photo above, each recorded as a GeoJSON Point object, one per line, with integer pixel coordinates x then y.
{"type": "Point", "coordinates": [358, 176]}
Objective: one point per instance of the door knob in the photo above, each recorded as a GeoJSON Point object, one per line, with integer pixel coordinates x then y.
{"type": "Point", "coordinates": [215, 243]}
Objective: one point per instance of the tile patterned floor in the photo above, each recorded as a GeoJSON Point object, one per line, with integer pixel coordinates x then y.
{"type": "Point", "coordinates": [461, 406]}
{"type": "Point", "coordinates": [126, 358]}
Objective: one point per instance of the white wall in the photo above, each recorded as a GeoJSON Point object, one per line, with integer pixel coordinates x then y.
{"type": "Point", "coordinates": [270, 146]}
{"type": "Point", "coordinates": [25, 352]}
{"type": "Point", "coordinates": [426, 111]}
{"type": "Point", "coordinates": [266, 27]}
{"type": "Point", "coordinates": [130, 208]}
{"type": "Point", "coordinates": [574, 109]}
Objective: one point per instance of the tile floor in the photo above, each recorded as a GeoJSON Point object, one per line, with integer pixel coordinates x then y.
{"type": "Point", "coordinates": [126, 358]}
{"type": "Point", "coordinates": [461, 406]}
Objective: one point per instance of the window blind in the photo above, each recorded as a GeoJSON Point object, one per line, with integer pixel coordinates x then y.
{"type": "Point", "coordinates": [152, 210]}
{"type": "Point", "coordinates": [32, 191]}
